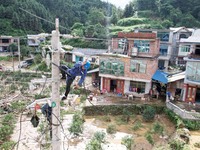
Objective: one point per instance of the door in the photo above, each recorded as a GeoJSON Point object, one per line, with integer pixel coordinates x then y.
{"type": "Point", "coordinates": [120, 86]}
{"type": "Point", "coordinates": [191, 94]}
{"type": "Point", "coordinates": [106, 84]}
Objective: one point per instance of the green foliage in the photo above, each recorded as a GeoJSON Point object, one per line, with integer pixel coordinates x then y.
{"type": "Point", "coordinates": [149, 113]}
{"type": "Point", "coordinates": [131, 21]}
{"type": "Point", "coordinates": [149, 138]}
{"type": "Point", "coordinates": [77, 124]}
{"type": "Point", "coordinates": [177, 144]}
{"type": "Point", "coordinates": [106, 118]}
{"type": "Point", "coordinates": [84, 43]}
{"type": "Point", "coordinates": [37, 58]}
{"type": "Point", "coordinates": [96, 141]}
{"type": "Point", "coordinates": [43, 67]}
{"type": "Point", "coordinates": [128, 142]}
{"type": "Point", "coordinates": [18, 105]}
{"type": "Point", "coordinates": [158, 128]}
{"type": "Point", "coordinates": [137, 125]}
{"type": "Point", "coordinates": [83, 98]}
{"type": "Point", "coordinates": [12, 47]}
{"type": "Point", "coordinates": [39, 96]}
{"type": "Point", "coordinates": [7, 145]}
{"type": "Point", "coordinates": [190, 124]}
{"type": "Point", "coordinates": [7, 127]}
{"type": "Point", "coordinates": [126, 114]}
{"type": "Point", "coordinates": [118, 109]}
{"type": "Point", "coordinates": [111, 129]}
{"type": "Point", "coordinates": [9, 119]}
{"type": "Point", "coordinates": [13, 87]}
{"type": "Point", "coordinates": [4, 58]}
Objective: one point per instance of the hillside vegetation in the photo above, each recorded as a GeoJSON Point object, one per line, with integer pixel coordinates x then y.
{"type": "Point", "coordinates": [94, 18]}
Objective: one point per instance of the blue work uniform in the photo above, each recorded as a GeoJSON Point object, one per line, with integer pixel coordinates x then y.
{"type": "Point", "coordinates": [76, 70]}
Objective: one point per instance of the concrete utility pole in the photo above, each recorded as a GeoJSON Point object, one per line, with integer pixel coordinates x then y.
{"type": "Point", "coordinates": [19, 52]}
{"type": "Point", "coordinates": [56, 46]}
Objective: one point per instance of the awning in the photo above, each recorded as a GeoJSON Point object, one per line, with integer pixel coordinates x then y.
{"type": "Point", "coordinates": [160, 76]}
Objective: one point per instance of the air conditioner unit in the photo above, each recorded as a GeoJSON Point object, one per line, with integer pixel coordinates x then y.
{"type": "Point", "coordinates": [134, 51]}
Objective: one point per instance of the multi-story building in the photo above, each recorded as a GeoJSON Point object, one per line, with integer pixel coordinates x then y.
{"type": "Point", "coordinates": [5, 41]}
{"type": "Point", "coordinates": [132, 70]}
{"type": "Point", "coordinates": [35, 40]}
{"type": "Point", "coordinates": [177, 34]}
{"type": "Point", "coordinates": [192, 77]}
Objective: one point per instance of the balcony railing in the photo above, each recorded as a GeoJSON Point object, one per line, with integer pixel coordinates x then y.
{"type": "Point", "coordinates": [183, 113]}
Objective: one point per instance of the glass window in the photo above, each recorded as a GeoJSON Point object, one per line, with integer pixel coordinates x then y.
{"type": "Point", "coordinates": [164, 36]}
{"type": "Point", "coordinates": [113, 67]}
{"type": "Point", "coordinates": [163, 50]}
{"type": "Point", "coordinates": [142, 46]}
{"type": "Point", "coordinates": [185, 48]}
{"type": "Point", "coordinates": [138, 87]}
{"type": "Point", "coordinates": [138, 66]}
{"type": "Point", "coordinates": [122, 43]}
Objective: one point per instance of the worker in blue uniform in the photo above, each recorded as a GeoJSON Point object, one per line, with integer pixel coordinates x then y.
{"type": "Point", "coordinates": [79, 69]}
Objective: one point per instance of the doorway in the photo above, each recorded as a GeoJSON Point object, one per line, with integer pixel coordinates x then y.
{"type": "Point", "coordinates": [198, 95]}
{"type": "Point", "coordinates": [113, 85]}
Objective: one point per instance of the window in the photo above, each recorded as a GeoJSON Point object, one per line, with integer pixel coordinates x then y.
{"type": "Point", "coordinates": [122, 43]}
{"type": "Point", "coordinates": [138, 87]}
{"type": "Point", "coordinates": [164, 36]}
{"type": "Point", "coordinates": [138, 66]}
{"type": "Point", "coordinates": [197, 50]}
{"type": "Point", "coordinates": [113, 67]}
{"type": "Point", "coordinates": [185, 48]}
{"type": "Point", "coordinates": [143, 46]}
{"type": "Point", "coordinates": [5, 40]}
{"type": "Point", "coordinates": [163, 50]}
{"type": "Point", "coordinates": [193, 71]}
{"type": "Point", "coordinates": [93, 59]}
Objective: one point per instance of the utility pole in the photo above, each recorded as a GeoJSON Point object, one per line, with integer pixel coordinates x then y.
{"type": "Point", "coordinates": [19, 52]}
{"type": "Point", "coordinates": [56, 46]}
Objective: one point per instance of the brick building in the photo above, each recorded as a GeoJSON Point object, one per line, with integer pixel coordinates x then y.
{"type": "Point", "coordinates": [132, 66]}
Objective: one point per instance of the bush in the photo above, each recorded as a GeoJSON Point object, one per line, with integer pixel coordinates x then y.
{"type": "Point", "coordinates": [7, 145]}
{"type": "Point", "coordinates": [95, 143]}
{"type": "Point", "coordinates": [130, 21]}
{"type": "Point", "coordinates": [149, 138]}
{"type": "Point", "coordinates": [158, 128]}
{"type": "Point", "coordinates": [149, 113]}
{"type": "Point", "coordinates": [190, 124]}
{"type": "Point", "coordinates": [137, 125]}
{"type": "Point", "coordinates": [127, 141]}
{"type": "Point", "coordinates": [177, 144]}
{"type": "Point", "coordinates": [77, 124]}
{"type": "Point", "coordinates": [111, 129]}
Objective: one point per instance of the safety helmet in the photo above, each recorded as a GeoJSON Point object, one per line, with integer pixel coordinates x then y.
{"type": "Point", "coordinates": [87, 65]}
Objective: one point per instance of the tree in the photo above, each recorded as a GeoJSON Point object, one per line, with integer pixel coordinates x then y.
{"type": "Point", "coordinates": [128, 11]}
{"type": "Point", "coordinates": [13, 47]}
{"type": "Point", "coordinates": [149, 113]}
{"type": "Point", "coordinates": [96, 16]}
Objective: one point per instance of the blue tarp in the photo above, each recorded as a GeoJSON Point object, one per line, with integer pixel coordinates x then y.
{"type": "Point", "coordinates": [160, 76]}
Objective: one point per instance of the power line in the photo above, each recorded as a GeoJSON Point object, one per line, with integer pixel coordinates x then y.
{"type": "Point", "coordinates": [42, 18]}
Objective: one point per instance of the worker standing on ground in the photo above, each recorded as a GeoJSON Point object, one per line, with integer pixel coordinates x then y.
{"type": "Point", "coordinates": [79, 69]}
